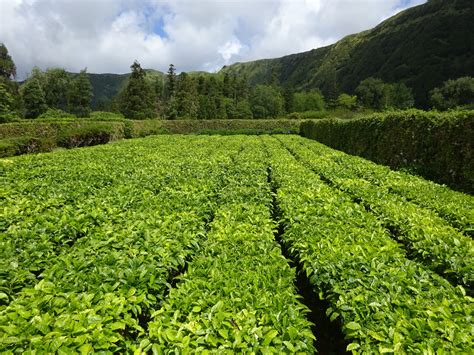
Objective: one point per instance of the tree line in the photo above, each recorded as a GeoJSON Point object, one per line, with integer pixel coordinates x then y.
{"type": "Point", "coordinates": [54, 89]}
{"type": "Point", "coordinates": [57, 93]}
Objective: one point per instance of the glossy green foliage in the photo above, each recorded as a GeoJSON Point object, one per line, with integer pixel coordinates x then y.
{"type": "Point", "coordinates": [238, 294]}
{"type": "Point", "coordinates": [455, 207]}
{"type": "Point", "coordinates": [384, 302]}
{"type": "Point", "coordinates": [167, 245]}
{"type": "Point", "coordinates": [104, 248]}
{"type": "Point", "coordinates": [427, 236]}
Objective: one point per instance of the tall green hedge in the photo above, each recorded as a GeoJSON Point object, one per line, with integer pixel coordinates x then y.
{"type": "Point", "coordinates": [274, 126]}
{"type": "Point", "coordinates": [33, 136]}
{"type": "Point", "coordinates": [438, 146]}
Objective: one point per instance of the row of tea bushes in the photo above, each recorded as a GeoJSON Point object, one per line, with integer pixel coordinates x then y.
{"type": "Point", "coordinates": [383, 301]}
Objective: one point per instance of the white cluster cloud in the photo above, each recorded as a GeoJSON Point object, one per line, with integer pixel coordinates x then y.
{"type": "Point", "coordinates": [108, 35]}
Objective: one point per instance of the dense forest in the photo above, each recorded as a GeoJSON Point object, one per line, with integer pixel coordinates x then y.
{"type": "Point", "coordinates": [56, 93]}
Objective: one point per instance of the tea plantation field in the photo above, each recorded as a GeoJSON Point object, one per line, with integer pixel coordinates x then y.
{"type": "Point", "coordinates": [253, 244]}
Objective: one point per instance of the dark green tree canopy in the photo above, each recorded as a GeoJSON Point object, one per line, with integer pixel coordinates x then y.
{"type": "Point", "coordinates": [11, 87]}
{"type": "Point", "coordinates": [138, 100]}
{"type": "Point", "coordinates": [56, 83]}
{"type": "Point", "coordinates": [187, 97]}
{"type": "Point", "coordinates": [345, 101]}
{"type": "Point", "coordinates": [33, 98]}
{"type": "Point", "coordinates": [267, 102]}
{"type": "Point", "coordinates": [454, 93]}
{"type": "Point", "coordinates": [376, 94]}
{"type": "Point", "coordinates": [80, 95]}
{"type": "Point", "coordinates": [7, 112]}
{"type": "Point", "coordinates": [7, 67]}
{"type": "Point", "coordinates": [308, 101]}
{"type": "Point", "coordinates": [171, 81]}
{"type": "Point", "coordinates": [372, 93]}
{"type": "Point", "coordinates": [400, 96]}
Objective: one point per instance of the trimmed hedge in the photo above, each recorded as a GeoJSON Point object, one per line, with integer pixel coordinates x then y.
{"type": "Point", "coordinates": [33, 136]}
{"type": "Point", "coordinates": [438, 146]}
{"type": "Point", "coordinates": [224, 127]}
{"type": "Point", "coordinates": [85, 136]}
{"type": "Point", "coordinates": [25, 145]}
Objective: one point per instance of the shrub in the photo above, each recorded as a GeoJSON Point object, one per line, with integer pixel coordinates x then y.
{"type": "Point", "coordinates": [105, 116]}
{"type": "Point", "coordinates": [9, 117]}
{"type": "Point", "coordinates": [85, 136]}
{"type": "Point", "coordinates": [81, 132]}
{"type": "Point", "coordinates": [294, 116]}
{"type": "Point", "coordinates": [25, 145]}
{"type": "Point", "coordinates": [307, 115]}
{"type": "Point", "coordinates": [346, 101]}
{"type": "Point", "coordinates": [54, 114]}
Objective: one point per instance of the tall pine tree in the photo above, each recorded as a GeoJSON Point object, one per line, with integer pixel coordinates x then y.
{"type": "Point", "coordinates": [56, 83]}
{"type": "Point", "coordinates": [137, 101]}
{"type": "Point", "coordinates": [186, 97]}
{"type": "Point", "coordinates": [33, 98]}
{"type": "Point", "coordinates": [80, 95]}
{"type": "Point", "coordinates": [171, 81]}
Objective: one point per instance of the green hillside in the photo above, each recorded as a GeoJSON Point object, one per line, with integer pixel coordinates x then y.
{"type": "Point", "coordinates": [422, 47]}
{"type": "Point", "coordinates": [106, 86]}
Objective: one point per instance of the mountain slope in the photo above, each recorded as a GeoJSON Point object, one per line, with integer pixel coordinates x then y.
{"type": "Point", "coordinates": [106, 86]}
{"type": "Point", "coordinates": [422, 47]}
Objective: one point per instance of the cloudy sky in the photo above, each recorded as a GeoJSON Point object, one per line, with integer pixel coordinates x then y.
{"type": "Point", "coordinates": [108, 35]}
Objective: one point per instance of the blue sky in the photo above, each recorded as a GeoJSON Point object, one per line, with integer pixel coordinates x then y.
{"type": "Point", "coordinates": [108, 35]}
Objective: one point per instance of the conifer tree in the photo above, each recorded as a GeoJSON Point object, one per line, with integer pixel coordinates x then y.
{"type": "Point", "coordinates": [137, 100]}
{"type": "Point", "coordinates": [242, 88]}
{"type": "Point", "coordinates": [56, 84]}
{"type": "Point", "coordinates": [274, 79]}
{"type": "Point", "coordinates": [80, 95]}
{"type": "Point", "coordinates": [229, 86]}
{"type": "Point", "coordinates": [159, 88]}
{"type": "Point", "coordinates": [332, 88]}
{"type": "Point", "coordinates": [186, 96]}
{"type": "Point", "coordinates": [288, 97]}
{"type": "Point", "coordinates": [171, 83]}
{"type": "Point", "coordinates": [33, 98]}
